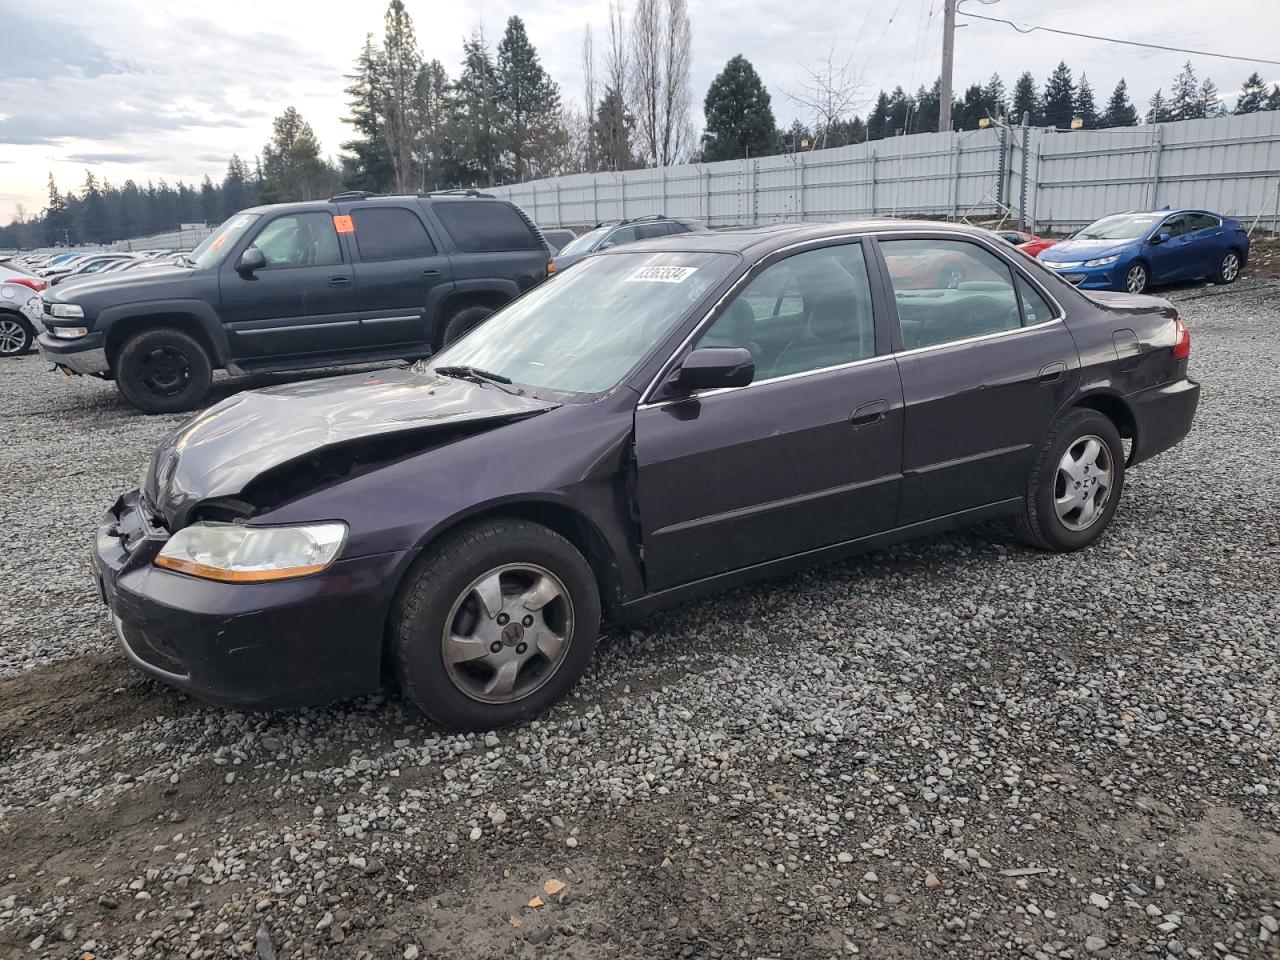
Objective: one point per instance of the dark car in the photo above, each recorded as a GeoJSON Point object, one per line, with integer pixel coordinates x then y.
{"type": "Point", "coordinates": [668, 418]}
{"type": "Point", "coordinates": [557, 239]}
{"type": "Point", "coordinates": [294, 286]}
{"type": "Point", "coordinates": [617, 232]}
{"type": "Point", "coordinates": [1132, 251]}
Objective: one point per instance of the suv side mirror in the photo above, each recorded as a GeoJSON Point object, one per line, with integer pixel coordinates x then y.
{"type": "Point", "coordinates": [251, 260]}
{"type": "Point", "coordinates": [1160, 238]}
{"type": "Point", "coordinates": [711, 368]}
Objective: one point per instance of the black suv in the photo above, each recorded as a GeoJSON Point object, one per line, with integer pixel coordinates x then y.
{"type": "Point", "coordinates": [617, 232]}
{"type": "Point", "coordinates": [292, 286]}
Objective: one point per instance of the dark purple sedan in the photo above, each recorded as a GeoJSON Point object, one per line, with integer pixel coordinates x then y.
{"type": "Point", "coordinates": [669, 418]}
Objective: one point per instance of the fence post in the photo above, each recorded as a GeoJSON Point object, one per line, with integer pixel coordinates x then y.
{"type": "Point", "coordinates": [663, 211]}
{"type": "Point", "coordinates": [707, 215]}
{"type": "Point", "coordinates": [1157, 143]}
{"type": "Point", "coordinates": [955, 176]}
{"type": "Point", "coordinates": [800, 199]}
{"type": "Point", "coordinates": [755, 191]}
{"type": "Point", "coordinates": [1002, 165]}
{"type": "Point", "coordinates": [1025, 166]}
{"type": "Point", "coordinates": [559, 211]}
{"type": "Point", "coordinates": [595, 199]}
{"type": "Point", "coordinates": [624, 198]}
{"type": "Point", "coordinates": [873, 181]}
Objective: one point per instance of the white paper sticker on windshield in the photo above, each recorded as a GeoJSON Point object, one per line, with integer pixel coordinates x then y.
{"type": "Point", "coordinates": [662, 275]}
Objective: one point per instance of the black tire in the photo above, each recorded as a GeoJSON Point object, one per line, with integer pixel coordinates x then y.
{"type": "Point", "coordinates": [1137, 277]}
{"type": "Point", "coordinates": [162, 371]}
{"type": "Point", "coordinates": [1228, 268]}
{"type": "Point", "coordinates": [16, 335]}
{"type": "Point", "coordinates": [436, 595]}
{"type": "Point", "coordinates": [463, 322]}
{"type": "Point", "coordinates": [1040, 524]}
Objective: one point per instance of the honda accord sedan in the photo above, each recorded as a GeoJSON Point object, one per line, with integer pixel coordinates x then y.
{"type": "Point", "coordinates": [669, 418]}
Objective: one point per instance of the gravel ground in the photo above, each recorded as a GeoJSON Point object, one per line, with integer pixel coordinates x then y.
{"type": "Point", "coordinates": [954, 748]}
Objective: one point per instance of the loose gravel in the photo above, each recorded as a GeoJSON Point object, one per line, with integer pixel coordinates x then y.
{"type": "Point", "coordinates": [954, 748]}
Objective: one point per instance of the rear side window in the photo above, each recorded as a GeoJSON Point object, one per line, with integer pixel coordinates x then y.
{"type": "Point", "coordinates": [478, 226]}
{"type": "Point", "coordinates": [1035, 308]}
{"type": "Point", "coordinates": [390, 233]}
{"type": "Point", "coordinates": [1203, 221]}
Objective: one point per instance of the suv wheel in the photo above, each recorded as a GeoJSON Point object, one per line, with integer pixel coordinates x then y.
{"type": "Point", "coordinates": [494, 625]}
{"type": "Point", "coordinates": [463, 322]}
{"type": "Point", "coordinates": [163, 371]}
{"type": "Point", "coordinates": [15, 336]}
{"type": "Point", "coordinates": [1075, 484]}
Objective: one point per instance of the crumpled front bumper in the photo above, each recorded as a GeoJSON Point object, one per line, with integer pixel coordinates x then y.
{"type": "Point", "coordinates": [85, 355]}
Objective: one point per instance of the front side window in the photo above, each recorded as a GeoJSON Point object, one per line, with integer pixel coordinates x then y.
{"type": "Point", "coordinates": [580, 334]}
{"type": "Point", "coordinates": [299, 240]}
{"type": "Point", "coordinates": [1176, 226]}
{"type": "Point", "coordinates": [807, 312]}
{"type": "Point", "coordinates": [949, 290]}
{"type": "Point", "coordinates": [390, 233]}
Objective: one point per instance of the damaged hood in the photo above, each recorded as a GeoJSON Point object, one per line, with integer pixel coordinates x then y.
{"type": "Point", "coordinates": [217, 453]}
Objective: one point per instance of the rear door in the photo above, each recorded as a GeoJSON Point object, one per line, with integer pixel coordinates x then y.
{"type": "Point", "coordinates": [302, 302]}
{"type": "Point", "coordinates": [400, 273]}
{"type": "Point", "coordinates": [493, 247]}
{"type": "Point", "coordinates": [985, 365]}
{"type": "Point", "coordinates": [808, 455]}
{"type": "Point", "coordinates": [1206, 242]}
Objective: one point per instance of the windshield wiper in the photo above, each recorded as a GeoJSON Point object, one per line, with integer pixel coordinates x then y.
{"type": "Point", "coordinates": [476, 375]}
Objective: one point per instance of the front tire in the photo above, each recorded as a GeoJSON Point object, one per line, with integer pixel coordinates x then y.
{"type": "Point", "coordinates": [1136, 278]}
{"type": "Point", "coordinates": [1075, 484]}
{"type": "Point", "coordinates": [163, 371]}
{"type": "Point", "coordinates": [494, 625]}
{"type": "Point", "coordinates": [1228, 268]}
{"type": "Point", "coordinates": [16, 336]}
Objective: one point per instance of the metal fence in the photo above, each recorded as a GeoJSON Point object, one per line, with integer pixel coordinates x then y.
{"type": "Point", "coordinates": [182, 241]}
{"type": "Point", "coordinates": [1051, 180]}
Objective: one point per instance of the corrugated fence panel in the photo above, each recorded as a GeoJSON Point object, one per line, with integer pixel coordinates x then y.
{"type": "Point", "coordinates": [1227, 164]}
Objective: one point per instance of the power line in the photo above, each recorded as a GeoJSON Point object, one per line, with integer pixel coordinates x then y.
{"type": "Point", "coordinates": [1129, 43]}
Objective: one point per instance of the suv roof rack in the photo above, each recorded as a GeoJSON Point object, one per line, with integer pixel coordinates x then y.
{"type": "Point", "coordinates": [352, 195]}
{"type": "Point", "coordinates": [622, 223]}
{"type": "Point", "coordinates": [460, 192]}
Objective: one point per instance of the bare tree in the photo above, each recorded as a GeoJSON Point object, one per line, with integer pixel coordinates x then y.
{"type": "Point", "coordinates": [829, 92]}
{"type": "Point", "coordinates": [616, 60]}
{"type": "Point", "coordinates": [660, 66]}
{"type": "Point", "coordinates": [589, 95]}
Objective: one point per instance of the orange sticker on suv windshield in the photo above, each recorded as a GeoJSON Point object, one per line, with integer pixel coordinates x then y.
{"type": "Point", "coordinates": [343, 224]}
{"type": "Point", "coordinates": [218, 242]}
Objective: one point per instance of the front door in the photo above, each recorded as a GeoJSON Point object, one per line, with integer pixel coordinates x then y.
{"type": "Point", "coordinates": [302, 302]}
{"type": "Point", "coordinates": [986, 364]}
{"type": "Point", "coordinates": [806, 456]}
{"type": "Point", "coordinates": [400, 275]}
{"type": "Point", "coordinates": [1175, 258]}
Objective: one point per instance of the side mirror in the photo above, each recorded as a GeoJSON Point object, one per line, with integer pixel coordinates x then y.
{"type": "Point", "coordinates": [251, 260]}
{"type": "Point", "coordinates": [711, 368]}
{"type": "Point", "coordinates": [1160, 238]}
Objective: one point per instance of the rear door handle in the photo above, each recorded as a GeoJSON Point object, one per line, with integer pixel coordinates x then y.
{"type": "Point", "coordinates": [869, 413]}
{"type": "Point", "coordinates": [1052, 372]}
{"type": "Point", "coordinates": [339, 281]}
{"type": "Point", "coordinates": [431, 272]}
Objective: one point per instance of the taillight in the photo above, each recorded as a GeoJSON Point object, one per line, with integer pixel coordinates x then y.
{"type": "Point", "coordinates": [1181, 339]}
{"type": "Point", "coordinates": [33, 282]}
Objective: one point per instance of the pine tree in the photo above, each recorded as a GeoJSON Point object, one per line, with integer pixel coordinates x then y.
{"type": "Point", "coordinates": [529, 101]}
{"type": "Point", "coordinates": [399, 68]}
{"type": "Point", "coordinates": [235, 188]}
{"type": "Point", "coordinates": [93, 212]}
{"type": "Point", "coordinates": [1085, 107]}
{"type": "Point", "coordinates": [1185, 102]}
{"type": "Point", "coordinates": [611, 132]}
{"type": "Point", "coordinates": [208, 201]}
{"type": "Point", "coordinates": [1058, 104]}
{"type": "Point", "coordinates": [878, 119]}
{"type": "Point", "coordinates": [1026, 100]}
{"type": "Point", "coordinates": [1253, 95]}
{"type": "Point", "coordinates": [1120, 109]}
{"type": "Point", "coordinates": [1159, 111]}
{"type": "Point", "coordinates": [1273, 101]}
{"type": "Point", "coordinates": [924, 109]}
{"type": "Point", "coordinates": [997, 99]}
{"type": "Point", "coordinates": [291, 164]}
{"type": "Point", "coordinates": [475, 120]}
{"type": "Point", "coordinates": [366, 162]}
{"type": "Point", "coordinates": [739, 114]}
{"type": "Point", "coordinates": [432, 106]}
{"type": "Point", "coordinates": [1211, 104]}
{"type": "Point", "coordinates": [901, 109]}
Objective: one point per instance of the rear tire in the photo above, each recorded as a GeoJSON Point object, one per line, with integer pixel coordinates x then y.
{"type": "Point", "coordinates": [1228, 268]}
{"type": "Point", "coordinates": [504, 598]}
{"type": "Point", "coordinates": [163, 371]}
{"type": "Point", "coordinates": [462, 323]}
{"type": "Point", "coordinates": [16, 336]}
{"type": "Point", "coordinates": [1075, 483]}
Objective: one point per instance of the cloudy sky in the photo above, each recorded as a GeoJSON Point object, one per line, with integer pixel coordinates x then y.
{"type": "Point", "coordinates": [133, 88]}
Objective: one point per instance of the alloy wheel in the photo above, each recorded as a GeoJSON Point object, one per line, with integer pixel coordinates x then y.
{"type": "Point", "coordinates": [507, 633]}
{"type": "Point", "coordinates": [1135, 280]}
{"type": "Point", "coordinates": [1083, 483]}
{"type": "Point", "coordinates": [1230, 267]}
{"type": "Point", "coordinates": [13, 337]}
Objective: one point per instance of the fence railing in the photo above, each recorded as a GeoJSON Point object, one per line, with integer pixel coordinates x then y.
{"type": "Point", "coordinates": [1051, 180]}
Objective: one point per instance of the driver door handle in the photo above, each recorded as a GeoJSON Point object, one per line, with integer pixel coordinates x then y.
{"type": "Point", "coordinates": [339, 281]}
{"type": "Point", "coordinates": [870, 413]}
{"type": "Point", "coordinates": [431, 272]}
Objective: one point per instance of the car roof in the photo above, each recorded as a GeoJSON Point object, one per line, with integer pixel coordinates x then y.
{"type": "Point", "coordinates": [765, 238]}
{"type": "Point", "coordinates": [375, 200]}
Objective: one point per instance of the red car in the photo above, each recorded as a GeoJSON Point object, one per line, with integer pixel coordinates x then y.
{"type": "Point", "coordinates": [1028, 243]}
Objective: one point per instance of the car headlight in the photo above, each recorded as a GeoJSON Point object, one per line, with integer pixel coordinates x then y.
{"type": "Point", "coordinates": [242, 554]}
{"type": "Point", "coordinates": [69, 311]}
{"type": "Point", "coordinates": [1102, 261]}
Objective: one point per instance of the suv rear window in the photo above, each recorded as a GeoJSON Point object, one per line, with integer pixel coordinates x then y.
{"type": "Point", "coordinates": [390, 233]}
{"type": "Point", "coordinates": [478, 226]}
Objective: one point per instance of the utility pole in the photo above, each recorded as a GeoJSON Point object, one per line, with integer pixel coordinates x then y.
{"type": "Point", "coordinates": [948, 64]}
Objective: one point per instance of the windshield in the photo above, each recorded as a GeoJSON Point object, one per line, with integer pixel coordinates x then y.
{"type": "Point", "coordinates": [584, 243]}
{"type": "Point", "coordinates": [1124, 226]}
{"type": "Point", "coordinates": [216, 246]}
{"type": "Point", "coordinates": [579, 334]}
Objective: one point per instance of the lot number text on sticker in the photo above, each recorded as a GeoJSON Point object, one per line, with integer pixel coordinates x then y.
{"type": "Point", "coordinates": [662, 275]}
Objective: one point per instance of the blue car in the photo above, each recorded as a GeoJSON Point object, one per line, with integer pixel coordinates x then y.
{"type": "Point", "coordinates": [1132, 251]}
